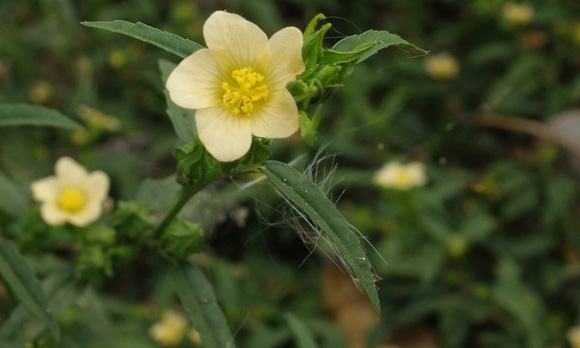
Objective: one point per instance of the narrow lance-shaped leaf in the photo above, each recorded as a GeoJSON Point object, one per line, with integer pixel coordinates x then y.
{"type": "Point", "coordinates": [198, 298]}
{"type": "Point", "coordinates": [14, 198]}
{"type": "Point", "coordinates": [182, 119]}
{"type": "Point", "coordinates": [20, 278]}
{"type": "Point", "coordinates": [309, 198]}
{"type": "Point", "coordinates": [381, 38]}
{"type": "Point", "coordinates": [33, 115]}
{"type": "Point", "coordinates": [168, 41]}
{"type": "Point", "coordinates": [302, 335]}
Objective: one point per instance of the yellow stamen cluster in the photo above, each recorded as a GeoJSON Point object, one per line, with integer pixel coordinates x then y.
{"type": "Point", "coordinates": [71, 199]}
{"type": "Point", "coordinates": [403, 178]}
{"type": "Point", "coordinates": [250, 89]}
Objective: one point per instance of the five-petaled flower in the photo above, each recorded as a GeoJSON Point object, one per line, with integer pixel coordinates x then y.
{"type": "Point", "coordinates": [238, 84]}
{"type": "Point", "coordinates": [72, 195]}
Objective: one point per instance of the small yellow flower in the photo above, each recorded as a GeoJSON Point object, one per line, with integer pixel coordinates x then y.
{"type": "Point", "coordinates": [401, 176]}
{"type": "Point", "coordinates": [72, 195]}
{"type": "Point", "coordinates": [170, 330]}
{"type": "Point", "coordinates": [41, 92]}
{"type": "Point", "coordinates": [238, 84]}
{"type": "Point", "coordinates": [441, 66]}
{"type": "Point", "coordinates": [518, 13]}
{"type": "Point", "coordinates": [80, 137]}
{"type": "Point", "coordinates": [574, 337]}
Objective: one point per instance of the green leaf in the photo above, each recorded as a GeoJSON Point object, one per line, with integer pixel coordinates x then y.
{"type": "Point", "coordinates": [168, 41]}
{"type": "Point", "coordinates": [337, 57]}
{"type": "Point", "coordinates": [20, 278]}
{"type": "Point", "coordinates": [182, 119]}
{"type": "Point", "coordinates": [198, 298]}
{"type": "Point", "coordinates": [309, 198]}
{"type": "Point", "coordinates": [14, 197]}
{"type": "Point", "coordinates": [195, 166]}
{"type": "Point", "coordinates": [302, 335]}
{"type": "Point", "coordinates": [34, 115]}
{"type": "Point", "coordinates": [381, 39]}
{"type": "Point", "coordinates": [21, 327]}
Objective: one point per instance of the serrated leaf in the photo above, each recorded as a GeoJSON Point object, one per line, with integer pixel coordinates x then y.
{"type": "Point", "coordinates": [198, 298]}
{"type": "Point", "coordinates": [302, 335]}
{"type": "Point", "coordinates": [182, 119]}
{"type": "Point", "coordinates": [309, 198]}
{"type": "Point", "coordinates": [381, 38]}
{"type": "Point", "coordinates": [168, 41]}
{"type": "Point", "coordinates": [20, 278]}
{"type": "Point", "coordinates": [34, 115]}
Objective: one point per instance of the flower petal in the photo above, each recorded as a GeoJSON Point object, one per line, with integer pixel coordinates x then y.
{"type": "Point", "coordinates": [52, 215]}
{"type": "Point", "coordinates": [89, 214]}
{"type": "Point", "coordinates": [234, 41]}
{"type": "Point", "coordinates": [45, 189]}
{"type": "Point", "coordinates": [70, 173]}
{"type": "Point", "coordinates": [278, 118]}
{"type": "Point", "coordinates": [97, 186]}
{"type": "Point", "coordinates": [196, 82]}
{"type": "Point", "coordinates": [283, 58]}
{"type": "Point", "coordinates": [226, 136]}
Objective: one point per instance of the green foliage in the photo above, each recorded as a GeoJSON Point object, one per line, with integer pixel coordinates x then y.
{"type": "Point", "coordinates": [302, 335]}
{"type": "Point", "coordinates": [170, 42]}
{"type": "Point", "coordinates": [181, 238]}
{"type": "Point", "coordinates": [309, 198]}
{"type": "Point", "coordinates": [195, 166]}
{"type": "Point", "coordinates": [198, 298]}
{"type": "Point", "coordinates": [33, 115]}
{"type": "Point", "coordinates": [21, 279]}
{"type": "Point", "coordinates": [183, 120]}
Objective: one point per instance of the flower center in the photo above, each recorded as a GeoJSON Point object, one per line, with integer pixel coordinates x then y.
{"type": "Point", "coordinates": [250, 89]}
{"type": "Point", "coordinates": [403, 179]}
{"type": "Point", "coordinates": [71, 199]}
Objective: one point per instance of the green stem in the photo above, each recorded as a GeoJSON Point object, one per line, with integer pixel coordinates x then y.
{"type": "Point", "coordinates": [186, 194]}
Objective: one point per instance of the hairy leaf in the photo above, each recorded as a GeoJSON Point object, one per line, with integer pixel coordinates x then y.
{"type": "Point", "coordinates": [168, 41]}
{"type": "Point", "coordinates": [33, 115]}
{"type": "Point", "coordinates": [381, 39]}
{"type": "Point", "coordinates": [198, 298]}
{"type": "Point", "coordinates": [309, 198]}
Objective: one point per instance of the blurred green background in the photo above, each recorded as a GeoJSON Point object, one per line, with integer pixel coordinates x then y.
{"type": "Point", "coordinates": [486, 254]}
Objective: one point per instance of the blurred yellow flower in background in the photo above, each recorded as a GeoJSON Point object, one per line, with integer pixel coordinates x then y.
{"type": "Point", "coordinates": [72, 195]}
{"type": "Point", "coordinates": [401, 176]}
{"type": "Point", "coordinates": [170, 330]}
{"type": "Point", "coordinates": [574, 337]}
{"type": "Point", "coordinates": [41, 92]}
{"type": "Point", "coordinates": [117, 59]}
{"type": "Point", "coordinates": [194, 336]}
{"type": "Point", "coordinates": [98, 120]}
{"type": "Point", "coordinates": [517, 13]}
{"type": "Point", "coordinates": [442, 66]}
{"type": "Point", "coordinates": [238, 84]}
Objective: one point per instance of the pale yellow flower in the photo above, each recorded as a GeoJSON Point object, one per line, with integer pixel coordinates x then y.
{"type": "Point", "coordinates": [441, 66]}
{"type": "Point", "coordinates": [574, 337]}
{"type": "Point", "coordinates": [72, 195]}
{"type": "Point", "coordinates": [401, 176]}
{"type": "Point", "coordinates": [170, 330]}
{"type": "Point", "coordinates": [518, 13]}
{"type": "Point", "coordinates": [238, 84]}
